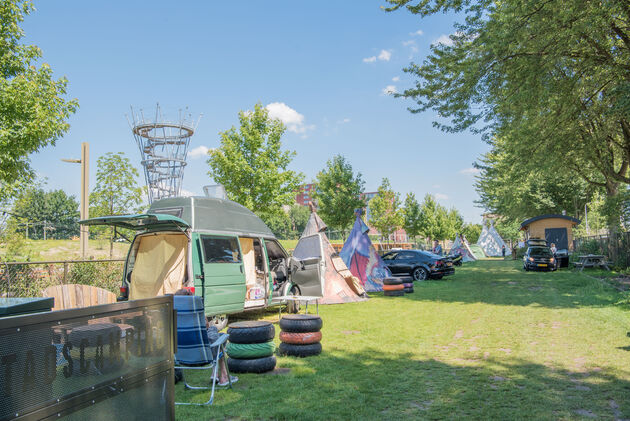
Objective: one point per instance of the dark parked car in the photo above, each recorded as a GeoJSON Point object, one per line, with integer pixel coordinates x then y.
{"type": "Point", "coordinates": [539, 258]}
{"type": "Point", "coordinates": [418, 264]}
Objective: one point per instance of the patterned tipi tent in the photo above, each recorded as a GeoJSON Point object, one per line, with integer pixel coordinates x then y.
{"type": "Point", "coordinates": [490, 241]}
{"type": "Point", "coordinates": [460, 246]}
{"type": "Point", "coordinates": [359, 255]}
{"type": "Point", "coordinates": [339, 285]}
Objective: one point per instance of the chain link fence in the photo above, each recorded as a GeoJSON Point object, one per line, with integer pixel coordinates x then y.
{"type": "Point", "coordinates": [29, 279]}
{"type": "Point", "coordinates": [615, 246]}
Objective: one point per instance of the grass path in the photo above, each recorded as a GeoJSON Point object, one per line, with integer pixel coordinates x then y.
{"type": "Point", "coordinates": [490, 342]}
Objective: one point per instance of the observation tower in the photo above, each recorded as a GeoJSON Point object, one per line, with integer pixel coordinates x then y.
{"type": "Point", "coordinates": [163, 146]}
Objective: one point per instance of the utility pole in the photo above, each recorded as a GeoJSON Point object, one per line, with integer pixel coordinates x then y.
{"type": "Point", "coordinates": [85, 187]}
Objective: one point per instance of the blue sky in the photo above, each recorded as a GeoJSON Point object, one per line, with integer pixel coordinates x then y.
{"type": "Point", "coordinates": [325, 66]}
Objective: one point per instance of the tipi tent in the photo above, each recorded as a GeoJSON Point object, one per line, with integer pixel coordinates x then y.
{"type": "Point", "coordinates": [359, 255]}
{"type": "Point", "coordinates": [339, 285]}
{"type": "Point", "coordinates": [460, 246]}
{"type": "Point", "coordinates": [490, 241]}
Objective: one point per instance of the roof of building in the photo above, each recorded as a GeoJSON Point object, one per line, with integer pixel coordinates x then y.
{"type": "Point", "coordinates": [547, 216]}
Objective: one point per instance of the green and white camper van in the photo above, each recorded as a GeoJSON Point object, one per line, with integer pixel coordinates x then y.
{"type": "Point", "coordinates": [217, 248]}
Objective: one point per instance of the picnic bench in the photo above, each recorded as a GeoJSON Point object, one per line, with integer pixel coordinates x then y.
{"type": "Point", "coordinates": [592, 261]}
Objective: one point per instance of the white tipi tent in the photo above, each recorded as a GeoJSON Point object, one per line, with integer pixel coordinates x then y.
{"type": "Point", "coordinates": [490, 241]}
{"type": "Point", "coordinates": [460, 246]}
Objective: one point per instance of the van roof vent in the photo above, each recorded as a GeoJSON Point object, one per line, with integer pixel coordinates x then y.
{"type": "Point", "coordinates": [216, 191]}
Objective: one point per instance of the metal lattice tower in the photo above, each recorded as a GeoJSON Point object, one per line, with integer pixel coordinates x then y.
{"type": "Point", "coordinates": [163, 146]}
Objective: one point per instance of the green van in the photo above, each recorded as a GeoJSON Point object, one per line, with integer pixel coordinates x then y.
{"type": "Point", "coordinates": [215, 247]}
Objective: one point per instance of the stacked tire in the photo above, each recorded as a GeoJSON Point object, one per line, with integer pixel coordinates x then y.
{"type": "Point", "coordinates": [251, 347]}
{"type": "Point", "coordinates": [393, 287]}
{"type": "Point", "coordinates": [408, 287]}
{"type": "Point", "coordinates": [300, 335]}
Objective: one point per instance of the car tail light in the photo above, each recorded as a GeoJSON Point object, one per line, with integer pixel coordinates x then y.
{"type": "Point", "coordinates": [190, 289]}
{"type": "Point", "coordinates": [124, 291]}
{"type": "Point", "coordinates": [438, 263]}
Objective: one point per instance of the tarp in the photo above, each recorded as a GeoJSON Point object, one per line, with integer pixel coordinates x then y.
{"type": "Point", "coordinates": [339, 286]}
{"type": "Point", "coordinates": [490, 241]}
{"type": "Point", "coordinates": [359, 255]}
{"type": "Point", "coordinates": [460, 246]}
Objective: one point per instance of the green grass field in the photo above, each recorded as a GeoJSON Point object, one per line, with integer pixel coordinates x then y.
{"type": "Point", "coordinates": [490, 342]}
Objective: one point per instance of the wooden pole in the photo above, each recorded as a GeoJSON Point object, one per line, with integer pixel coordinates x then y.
{"type": "Point", "coordinates": [85, 188]}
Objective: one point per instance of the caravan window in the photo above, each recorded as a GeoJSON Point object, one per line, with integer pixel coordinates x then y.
{"type": "Point", "coordinates": [220, 249]}
{"type": "Point", "coordinates": [308, 247]}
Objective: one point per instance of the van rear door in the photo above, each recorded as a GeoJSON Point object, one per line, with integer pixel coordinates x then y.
{"type": "Point", "coordinates": [222, 273]}
{"type": "Point", "coordinates": [308, 266]}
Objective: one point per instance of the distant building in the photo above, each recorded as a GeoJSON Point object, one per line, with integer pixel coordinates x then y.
{"type": "Point", "coordinates": [367, 197]}
{"type": "Point", "coordinates": [304, 197]}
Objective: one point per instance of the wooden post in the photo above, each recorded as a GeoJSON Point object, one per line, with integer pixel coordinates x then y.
{"type": "Point", "coordinates": [65, 271]}
{"type": "Point", "coordinates": [85, 188]}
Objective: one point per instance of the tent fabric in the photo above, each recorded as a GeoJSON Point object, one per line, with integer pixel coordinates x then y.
{"type": "Point", "coordinates": [460, 246]}
{"type": "Point", "coordinates": [314, 225]}
{"type": "Point", "coordinates": [490, 241]}
{"type": "Point", "coordinates": [477, 251]}
{"type": "Point", "coordinates": [337, 289]}
{"type": "Point", "coordinates": [361, 257]}
{"type": "Point", "coordinates": [149, 279]}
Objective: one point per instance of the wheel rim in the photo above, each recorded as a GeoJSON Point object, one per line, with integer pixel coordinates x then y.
{"type": "Point", "coordinates": [419, 274]}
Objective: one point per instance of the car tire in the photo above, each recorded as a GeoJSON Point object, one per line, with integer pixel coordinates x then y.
{"type": "Point", "coordinates": [408, 284]}
{"type": "Point", "coordinates": [251, 332]}
{"type": "Point", "coordinates": [394, 293]}
{"type": "Point", "coordinates": [248, 351]}
{"type": "Point", "coordinates": [298, 323]}
{"type": "Point", "coordinates": [251, 365]}
{"type": "Point", "coordinates": [293, 307]}
{"type": "Point", "coordinates": [392, 281]}
{"type": "Point", "coordinates": [303, 338]}
{"type": "Point", "coordinates": [408, 290]}
{"type": "Point", "coordinates": [300, 350]}
{"type": "Point", "coordinates": [398, 287]}
{"type": "Point", "coordinates": [419, 274]}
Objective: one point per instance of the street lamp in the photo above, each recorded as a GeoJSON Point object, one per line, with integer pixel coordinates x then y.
{"type": "Point", "coordinates": [83, 211]}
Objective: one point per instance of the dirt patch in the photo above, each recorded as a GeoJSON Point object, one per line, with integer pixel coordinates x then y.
{"type": "Point", "coordinates": [474, 348]}
{"type": "Point", "coordinates": [350, 332]}
{"type": "Point", "coordinates": [506, 350]}
{"type": "Point", "coordinates": [278, 371]}
{"type": "Point", "coordinates": [498, 378]}
{"type": "Point", "coordinates": [556, 325]}
{"type": "Point", "coordinates": [459, 334]}
{"type": "Point", "coordinates": [423, 406]}
{"type": "Point", "coordinates": [486, 355]}
{"type": "Point", "coordinates": [535, 288]}
{"type": "Point", "coordinates": [586, 413]}
{"type": "Point", "coordinates": [512, 283]}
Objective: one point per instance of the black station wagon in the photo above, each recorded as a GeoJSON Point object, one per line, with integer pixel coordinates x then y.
{"type": "Point", "coordinates": [418, 264]}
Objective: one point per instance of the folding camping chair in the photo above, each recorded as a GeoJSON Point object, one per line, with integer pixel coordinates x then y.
{"type": "Point", "coordinates": [194, 350]}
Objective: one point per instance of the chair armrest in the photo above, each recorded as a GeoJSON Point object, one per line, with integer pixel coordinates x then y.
{"type": "Point", "coordinates": [223, 337]}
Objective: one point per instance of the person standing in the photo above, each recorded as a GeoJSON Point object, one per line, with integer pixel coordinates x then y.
{"type": "Point", "coordinates": [437, 248]}
{"type": "Point", "coordinates": [503, 250]}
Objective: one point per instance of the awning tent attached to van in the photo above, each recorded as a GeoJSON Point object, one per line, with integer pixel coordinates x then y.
{"type": "Point", "coordinates": [340, 286]}
{"type": "Point", "coordinates": [361, 257]}
{"type": "Point", "coordinates": [460, 246]}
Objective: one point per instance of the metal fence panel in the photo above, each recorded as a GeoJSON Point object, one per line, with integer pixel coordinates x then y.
{"type": "Point", "coordinates": [111, 361]}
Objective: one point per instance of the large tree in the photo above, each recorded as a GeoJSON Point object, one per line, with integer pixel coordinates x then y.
{"type": "Point", "coordinates": [252, 166]}
{"type": "Point", "coordinates": [411, 216]}
{"type": "Point", "coordinates": [117, 191]}
{"type": "Point", "coordinates": [550, 78]}
{"type": "Point", "coordinates": [41, 214]}
{"type": "Point", "coordinates": [385, 213]}
{"type": "Point", "coordinates": [338, 193]}
{"type": "Point", "coordinates": [33, 112]}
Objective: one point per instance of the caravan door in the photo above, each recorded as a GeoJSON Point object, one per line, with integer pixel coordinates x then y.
{"type": "Point", "coordinates": [308, 266]}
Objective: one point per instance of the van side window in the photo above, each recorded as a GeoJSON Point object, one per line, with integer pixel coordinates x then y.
{"type": "Point", "coordinates": [274, 250]}
{"type": "Point", "coordinates": [220, 249]}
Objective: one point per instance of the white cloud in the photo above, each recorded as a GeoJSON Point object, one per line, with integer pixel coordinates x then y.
{"type": "Point", "coordinates": [395, 78]}
{"type": "Point", "coordinates": [440, 196]}
{"type": "Point", "coordinates": [385, 55]}
{"type": "Point", "coordinates": [408, 43]}
{"type": "Point", "coordinates": [389, 89]}
{"type": "Point", "coordinates": [444, 40]}
{"type": "Point", "coordinates": [199, 152]}
{"type": "Point", "coordinates": [345, 120]}
{"type": "Point", "coordinates": [419, 32]}
{"type": "Point", "coordinates": [291, 118]}
{"type": "Point", "coordinates": [470, 171]}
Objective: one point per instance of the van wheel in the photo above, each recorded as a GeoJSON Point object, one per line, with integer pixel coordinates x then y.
{"type": "Point", "coordinates": [293, 306]}
{"type": "Point", "coordinates": [220, 321]}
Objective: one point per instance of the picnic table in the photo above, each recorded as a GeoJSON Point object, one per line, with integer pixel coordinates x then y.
{"type": "Point", "coordinates": [592, 260]}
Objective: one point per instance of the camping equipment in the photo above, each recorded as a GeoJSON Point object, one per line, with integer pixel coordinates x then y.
{"type": "Point", "coordinates": [300, 335]}
{"type": "Point", "coordinates": [251, 347]}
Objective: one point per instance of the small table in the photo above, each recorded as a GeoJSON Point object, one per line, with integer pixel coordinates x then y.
{"type": "Point", "coordinates": [298, 298]}
{"type": "Point", "coordinates": [592, 260]}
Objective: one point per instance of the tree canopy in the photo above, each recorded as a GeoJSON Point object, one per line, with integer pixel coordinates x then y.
{"type": "Point", "coordinates": [252, 166]}
{"type": "Point", "coordinates": [33, 112]}
{"type": "Point", "coordinates": [385, 212]}
{"type": "Point", "coordinates": [338, 193]}
{"type": "Point", "coordinates": [549, 79]}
